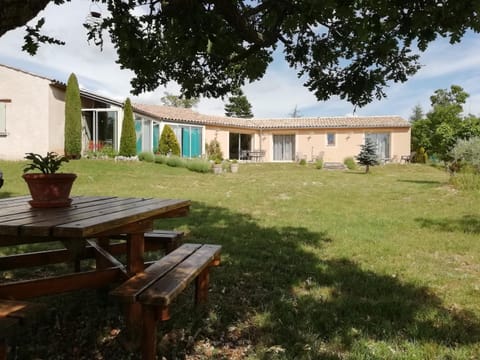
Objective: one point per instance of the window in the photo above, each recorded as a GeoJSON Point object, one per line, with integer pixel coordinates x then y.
{"type": "Point", "coordinates": [330, 139]}
{"type": "Point", "coordinates": [3, 118]}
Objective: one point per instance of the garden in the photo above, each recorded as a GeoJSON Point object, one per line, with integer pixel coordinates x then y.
{"type": "Point", "coordinates": [316, 264]}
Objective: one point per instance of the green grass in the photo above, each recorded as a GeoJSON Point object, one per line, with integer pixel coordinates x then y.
{"type": "Point", "coordinates": [315, 265]}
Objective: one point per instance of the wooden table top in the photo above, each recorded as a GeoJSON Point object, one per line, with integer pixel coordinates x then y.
{"type": "Point", "coordinates": [86, 217]}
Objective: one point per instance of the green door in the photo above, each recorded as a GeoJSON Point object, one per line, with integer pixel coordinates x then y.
{"type": "Point", "coordinates": [185, 142]}
{"type": "Point", "coordinates": [196, 142]}
{"type": "Point", "coordinates": [156, 137]}
{"type": "Point", "coordinates": [191, 142]}
{"type": "Point", "coordinates": [138, 132]}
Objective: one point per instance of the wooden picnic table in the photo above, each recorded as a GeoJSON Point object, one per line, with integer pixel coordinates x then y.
{"type": "Point", "coordinates": [88, 222]}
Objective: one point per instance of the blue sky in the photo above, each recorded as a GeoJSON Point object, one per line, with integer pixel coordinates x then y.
{"type": "Point", "coordinates": [276, 95]}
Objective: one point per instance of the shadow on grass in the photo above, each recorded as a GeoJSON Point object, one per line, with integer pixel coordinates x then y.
{"type": "Point", "coordinates": [274, 297]}
{"type": "Point", "coordinates": [465, 224]}
{"type": "Point", "coordinates": [422, 182]}
{"type": "Point", "coordinates": [275, 287]}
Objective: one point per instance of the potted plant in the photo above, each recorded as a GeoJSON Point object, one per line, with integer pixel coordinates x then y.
{"type": "Point", "coordinates": [217, 166]}
{"type": "Point", "coordinates": [234, 166]}
{"type": "Point", "coordinates": [48, 188]}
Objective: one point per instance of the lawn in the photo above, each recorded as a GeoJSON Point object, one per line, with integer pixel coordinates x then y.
{"type": "Point", "coordinates": [315, 265]}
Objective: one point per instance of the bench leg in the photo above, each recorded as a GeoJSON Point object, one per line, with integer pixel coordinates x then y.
{"type": "Point", "coordinates": [201, 286]}
{"type": "Point", "coordinates": [3, 349]}
{"type": "Point", "coordinates": [149, 332]}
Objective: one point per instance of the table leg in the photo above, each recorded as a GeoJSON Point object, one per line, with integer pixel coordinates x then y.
{"type": "Point", "coordinates": [135, 264]}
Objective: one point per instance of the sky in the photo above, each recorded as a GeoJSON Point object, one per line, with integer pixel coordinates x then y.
{"type": "Point", "coordinates": [274, 96]}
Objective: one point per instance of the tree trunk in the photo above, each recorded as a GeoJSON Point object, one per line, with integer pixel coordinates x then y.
{"type": "Point", "coordinates": [367, 168]}
{"type": "Point", "coordinates": [14, 13]}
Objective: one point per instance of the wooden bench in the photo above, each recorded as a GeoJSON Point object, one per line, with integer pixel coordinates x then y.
{"type": "Point", "coordinates": [160, 283]}
{"type": "Point", "coordinates": [13, 315]}
{"type": "Point", "coordinates": [167, 239]}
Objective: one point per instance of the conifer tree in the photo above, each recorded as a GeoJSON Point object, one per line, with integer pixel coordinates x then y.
{"type": "Point", "coordinates": [238, 106]}
{"type": "Point", "coordinates": [73, 119]}
{"type": "Point", "coordinates": [128, 139]}
{"type": "Point", "coordinates": [168, 142]}
{"type": "Point", "coordinates": [368, 155]}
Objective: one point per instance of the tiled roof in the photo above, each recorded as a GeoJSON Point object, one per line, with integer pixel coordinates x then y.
{"type": "Point", "coordinates": [189, 116]}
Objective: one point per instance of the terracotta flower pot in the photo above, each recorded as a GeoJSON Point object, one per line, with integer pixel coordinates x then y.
{"type": "Point", "coordinates": [50, 190]}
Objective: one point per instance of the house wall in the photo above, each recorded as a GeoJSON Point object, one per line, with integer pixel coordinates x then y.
{"type": "Point", "coordinates": [222, 135]}
{"type": "Point", "coordinates": [29, 119]}
{"type": "Point", "coordinates": [56, 120]}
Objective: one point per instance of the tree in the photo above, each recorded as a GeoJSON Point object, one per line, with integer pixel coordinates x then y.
{"type": "Point", "coordinates": [168, 142]}
{"type": "Point", "coordinates": [368, 155]}
{"type": "Point", "coordinates": [444, 123]}
{"type": "Point", "coordinates": [238, 106]}
{"type": "Point", "coordinates": [177, 101]}
{"type": "Point", "coordinates": [128, 138]}
{"type": "Point", "coordinates": [352, 49]}
{"type": "Point", "coordinates": [417, 113]}
{"type": "Point", "coordinates": [73, 119]}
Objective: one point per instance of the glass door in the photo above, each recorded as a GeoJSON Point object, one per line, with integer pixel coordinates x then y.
{"type": "Point", "coordinates": [283, 147]}
{"type": "Point", "coordinates": [99, 129]}
{"type": "Point", "coordinates": [382, 142]}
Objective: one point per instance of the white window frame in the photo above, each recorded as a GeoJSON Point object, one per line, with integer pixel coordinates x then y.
{"type": "Point", "coordinates": [3, 117]}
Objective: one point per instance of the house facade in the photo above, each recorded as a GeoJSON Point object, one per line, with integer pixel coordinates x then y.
{"type": "Point", "coordinates": [32, 120]}
{"type": "Point", "coordinates": [331, 138]}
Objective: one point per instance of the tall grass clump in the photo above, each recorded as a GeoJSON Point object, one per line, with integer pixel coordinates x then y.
{"type": "Point", "coordinates": [199, 165]}
{"type": "Point", "coordinates": [176, 161]}
{"type": "Point", "coordinates": [467, 181]}
{"type": "Point", "coordinates": [350, 163]}
{"type": "Point", "coordinates": [146, 156]}
{"type": "Point", "coordinates": [319, 164]}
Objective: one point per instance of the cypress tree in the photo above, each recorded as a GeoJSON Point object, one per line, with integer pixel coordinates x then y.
{"type": "Point", "coordinates": [73, 119]}
{"type": "Point", "coordinates": [368, 155]}
{"type": "Point", "coordinates": [168, 142]}
{"type": "Point", "coordinates": [128, 138]}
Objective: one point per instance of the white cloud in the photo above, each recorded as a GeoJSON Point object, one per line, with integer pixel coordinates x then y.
{"type": "Point", "coordinates": [275, 95]}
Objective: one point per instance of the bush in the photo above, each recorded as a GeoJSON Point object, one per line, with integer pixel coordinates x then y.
{"type": "Point", "coordinates": [214, 152]}
{"type": "Point", "coordinates": [466, 153]}
{"type": "Point", "coordinates": [350, 163]}
{"type": "Point", "coordinates": [168, 144]}
{"type": "Point", "coordinates": [175, 161]}
{"type": "Point", "coordinates": [128, 137]}
{"type": "Point", "coordinates": [303, 162]}
{"type": "Point", "coordinates": [467, 181]}
{"type": "Point", "coordinates": [421, 156]}
{"type": "Point", "coordinates": [199, 165]}
{"type": "Point", "coordinates": [146, 156]}
{"type": "Point", "coordinates": [161, 159]}
{"type": "Point", "coordinates": [73, 119]}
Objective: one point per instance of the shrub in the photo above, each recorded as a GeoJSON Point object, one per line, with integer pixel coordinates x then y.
{"type": "Point", "coordinates": [303, 162]}
{"type": "Point", "coordinates": [467, 181]}
{"type": "Point", "coordinates": [467, 152]}
{"type": "Point", "coordinates": [421, 156]}
{"type": "Point", "coordinates": [128, 138]}
{"type": "Point", "coordinates": [199, 165]}
{"type": "Point", "coordinates": [319, 164]}
{"type": "Point", "coordinates": [176, 161]}
{"type": "Point", "coordinates": [214, 152]}
{"type": "Point", "coordinates": [161, 159]}
{"type": "Point", "coordinates": [73, 119]}
{"type": "Point", "coordinates": [350, 163]}
{"type": "Point", "coordinates": [146, 156]}
{"type": "Point", "coordinates": [168, 144]}
{"type": "Point", "coordinates": [107, 151]}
